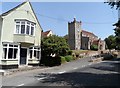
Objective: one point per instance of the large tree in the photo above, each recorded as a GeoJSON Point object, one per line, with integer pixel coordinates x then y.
{"type": "Point", "coordinates": [54, 45]}
{"type": "Point", "coordinates": [52, 48]}
{"type": "Point", "coordinates": [116, 3]}
{"type": "Point", "coordinates": [111, 42]}
{"type": "Point", "coordinates": [117, 34]}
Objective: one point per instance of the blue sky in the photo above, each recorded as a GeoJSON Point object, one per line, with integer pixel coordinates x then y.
{"type": "Point", "coordinates": [96, 17]}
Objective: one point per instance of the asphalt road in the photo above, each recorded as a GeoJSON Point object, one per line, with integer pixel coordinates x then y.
{"type": "Point", "coordinates": [80, 73]}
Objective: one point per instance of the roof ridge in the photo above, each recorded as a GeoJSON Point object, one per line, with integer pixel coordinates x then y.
{"type": "Point", "coordinates": [9, 11]}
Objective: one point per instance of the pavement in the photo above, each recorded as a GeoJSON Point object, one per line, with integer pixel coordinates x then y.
{"type": "Point", "coordinates": [29, 68]}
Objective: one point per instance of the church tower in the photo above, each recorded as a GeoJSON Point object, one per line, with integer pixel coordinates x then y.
{"type": "Point", "coordinates": [74, 34]}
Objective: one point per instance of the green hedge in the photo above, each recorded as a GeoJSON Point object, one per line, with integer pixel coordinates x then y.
{"type": "Point", "coordinates": [51, 61]}
{"type": "Point", "coordinates": [94, 47]}
{"type": "Point", "coordinates": [63, 60]}
{"type": "Point", "coordinates": [68, 58]}
{"type": "Point", "coordinates": [55, 61]}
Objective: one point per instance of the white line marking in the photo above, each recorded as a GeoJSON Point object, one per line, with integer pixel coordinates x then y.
{"type": "Point", "coordinates": [62, 72]}
{"type": "Point", "coordinates": [41, 78]}
{"type": "Point", "coordinates": [83, 66]}
{"type": "Point", "coordinates": [90, 64]}
{"type": "Point", "coordinates": [21, 85]}
{"type": "Point", "coordinates": [75, 68]}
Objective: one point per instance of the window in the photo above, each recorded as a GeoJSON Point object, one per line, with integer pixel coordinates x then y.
{"type": "Point", "coordinates": [17, 28]}
{"type": "Point", "coordinates": [34, 52]}
{"type": "Point", "coordinates": [4, 52]}
{"type": "Point", "coordinates": [30, 53]}
{"type": "Point", "coordinates": [22, 27]}
{"type": "Point", "coordinates": [28, 28]}
{"type": "Point", "coordinates": [32, 30]}
{"type": "Point", "coordinates": [25, 27]}
{"type": "Point", "coordinates": [10, 51]}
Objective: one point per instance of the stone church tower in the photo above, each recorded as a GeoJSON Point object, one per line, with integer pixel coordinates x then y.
{"type": "Point", "coordinates": [74, 34]}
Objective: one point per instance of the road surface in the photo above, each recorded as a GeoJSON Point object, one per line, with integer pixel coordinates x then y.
{"type": "Point", "coordinates": [77, 73]}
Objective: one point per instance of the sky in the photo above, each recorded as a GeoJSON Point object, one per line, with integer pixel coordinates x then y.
{"type": "Point", "coordinates": [96, 17]}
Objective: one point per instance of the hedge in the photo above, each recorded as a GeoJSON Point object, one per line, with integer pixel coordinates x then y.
{"type": "Point", "coordinates": [68, 58]}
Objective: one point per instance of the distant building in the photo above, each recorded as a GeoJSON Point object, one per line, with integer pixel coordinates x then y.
{"type": "Point", "coordinates": [100, 43]}
{"type": "Point", "coordinates": [81, 39]}
{"type": "Point", "coordinates": [87, 39]}
{"type": "Point", "coordinates": [47, 33]}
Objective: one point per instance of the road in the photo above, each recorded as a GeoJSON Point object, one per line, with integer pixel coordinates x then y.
{"type": "Point", "coordinates": [77, 73]}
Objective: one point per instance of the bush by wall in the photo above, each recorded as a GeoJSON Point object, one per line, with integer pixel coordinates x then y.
{"type": "Point", "coordinates": [94, 47]}
{"type": "Point", "coordinates": [68, 58]}
{"type": "Point", "coordinates": [63, 60]}
{"type": "Point", "coordinates": [50, 61]}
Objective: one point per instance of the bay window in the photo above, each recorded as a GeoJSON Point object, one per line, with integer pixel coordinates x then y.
{"type": "Point", "coordinates": [25, 27]}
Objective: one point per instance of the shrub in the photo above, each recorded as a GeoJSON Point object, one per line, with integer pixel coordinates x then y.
{"type": "Point", "coordinates": [68, 58]}
{"type": "Point", "coordinates": [94, 47]}
{"type": "Point", "coordinates": [63, 60]}
{"type": "Point", "coordinates": [51, 61]}
{"type": "Point", "coordinates": [70, 52]}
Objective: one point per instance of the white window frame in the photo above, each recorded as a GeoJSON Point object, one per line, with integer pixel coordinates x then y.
{"type": "Point", "coordinates": [30, 25]}
{"type": "Point", "coordinates": [8, 47]}
{"type": "Point", "coordinates": [33, 51]}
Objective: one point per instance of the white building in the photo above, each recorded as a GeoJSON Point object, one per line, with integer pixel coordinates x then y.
{"type": "Point", "coordinates": [20, 37]}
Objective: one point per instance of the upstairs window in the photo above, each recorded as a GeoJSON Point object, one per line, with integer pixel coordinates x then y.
{"type": "Point", "coordinates": [25, 27]}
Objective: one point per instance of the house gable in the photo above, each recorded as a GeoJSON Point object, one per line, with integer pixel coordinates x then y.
{"type": "Point", "coordinates": [21, 8]}
{"type": "Point", "coordinates": [22, 12]}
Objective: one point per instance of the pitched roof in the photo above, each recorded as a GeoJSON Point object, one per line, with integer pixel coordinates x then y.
{"type": "Point", "coordinates": [6, 13]}
{"type": "Point", "coordinates": [96, 42]}
{"type": "Point", "coordinates": [45, 33]}
{"type": "Point", "coordinates": [88, 33]}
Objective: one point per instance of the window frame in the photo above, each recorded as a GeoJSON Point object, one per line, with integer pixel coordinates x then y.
{"type": "Point", "coordinates": [31, 24]}
{"type": "Point", "coordinates": [34, 49]}
{"type": "Point", "coordinates": [9, 46]}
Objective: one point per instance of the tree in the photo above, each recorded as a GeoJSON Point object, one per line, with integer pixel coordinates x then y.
{"type": "Point", "coordinates": [52, 48]}
{"type": "Point", "coordinates": [114, 3]}
{"type": "Point", "coordinates": [111, 42]}
{"type": "Point", "coordinates": [117, 34]}
{"type": "Point", "coordinates": [54, 45]}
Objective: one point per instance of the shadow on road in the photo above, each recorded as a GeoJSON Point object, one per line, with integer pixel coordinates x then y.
{"type": "Point", "coordinates": [86, 79]}
{"type": "Point", "coordinates": [115, 67]}
{"type": "Point", "coordinates": [81, 79]}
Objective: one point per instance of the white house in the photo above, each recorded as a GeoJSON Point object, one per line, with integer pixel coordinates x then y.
{"type": "Point", "coordinates": [20, 37]}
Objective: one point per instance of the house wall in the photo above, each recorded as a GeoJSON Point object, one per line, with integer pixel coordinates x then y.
{"type": "Point", "coordinates": [24, 12]}
{"type": "Point", "coordinates": [0, 39]}
{"type": "Point", "coordinates": [8, 30]}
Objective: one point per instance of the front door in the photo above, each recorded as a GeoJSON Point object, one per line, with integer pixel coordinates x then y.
{"type": "Point", "coordinates": [23, 56]}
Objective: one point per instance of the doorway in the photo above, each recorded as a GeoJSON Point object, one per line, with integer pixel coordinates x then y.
{"type": "Point", "coordinates": [23, 56]}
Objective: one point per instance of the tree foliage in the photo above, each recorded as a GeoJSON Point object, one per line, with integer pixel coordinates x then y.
{"type": "Point", "coordinates": [94, 47]}
{"type": "Point", "coordinates": [111, 42]}
{"type": "Point", "coordinates": [52, 48]}
{"type": "Point", "coordinates": [116, 44]}
{"type": "Point", "coordinates": [117, 34]}
{"type": "Point", "coordinates": [114, 3]}
{"type": "Point", "coordinates": [54, 45]}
